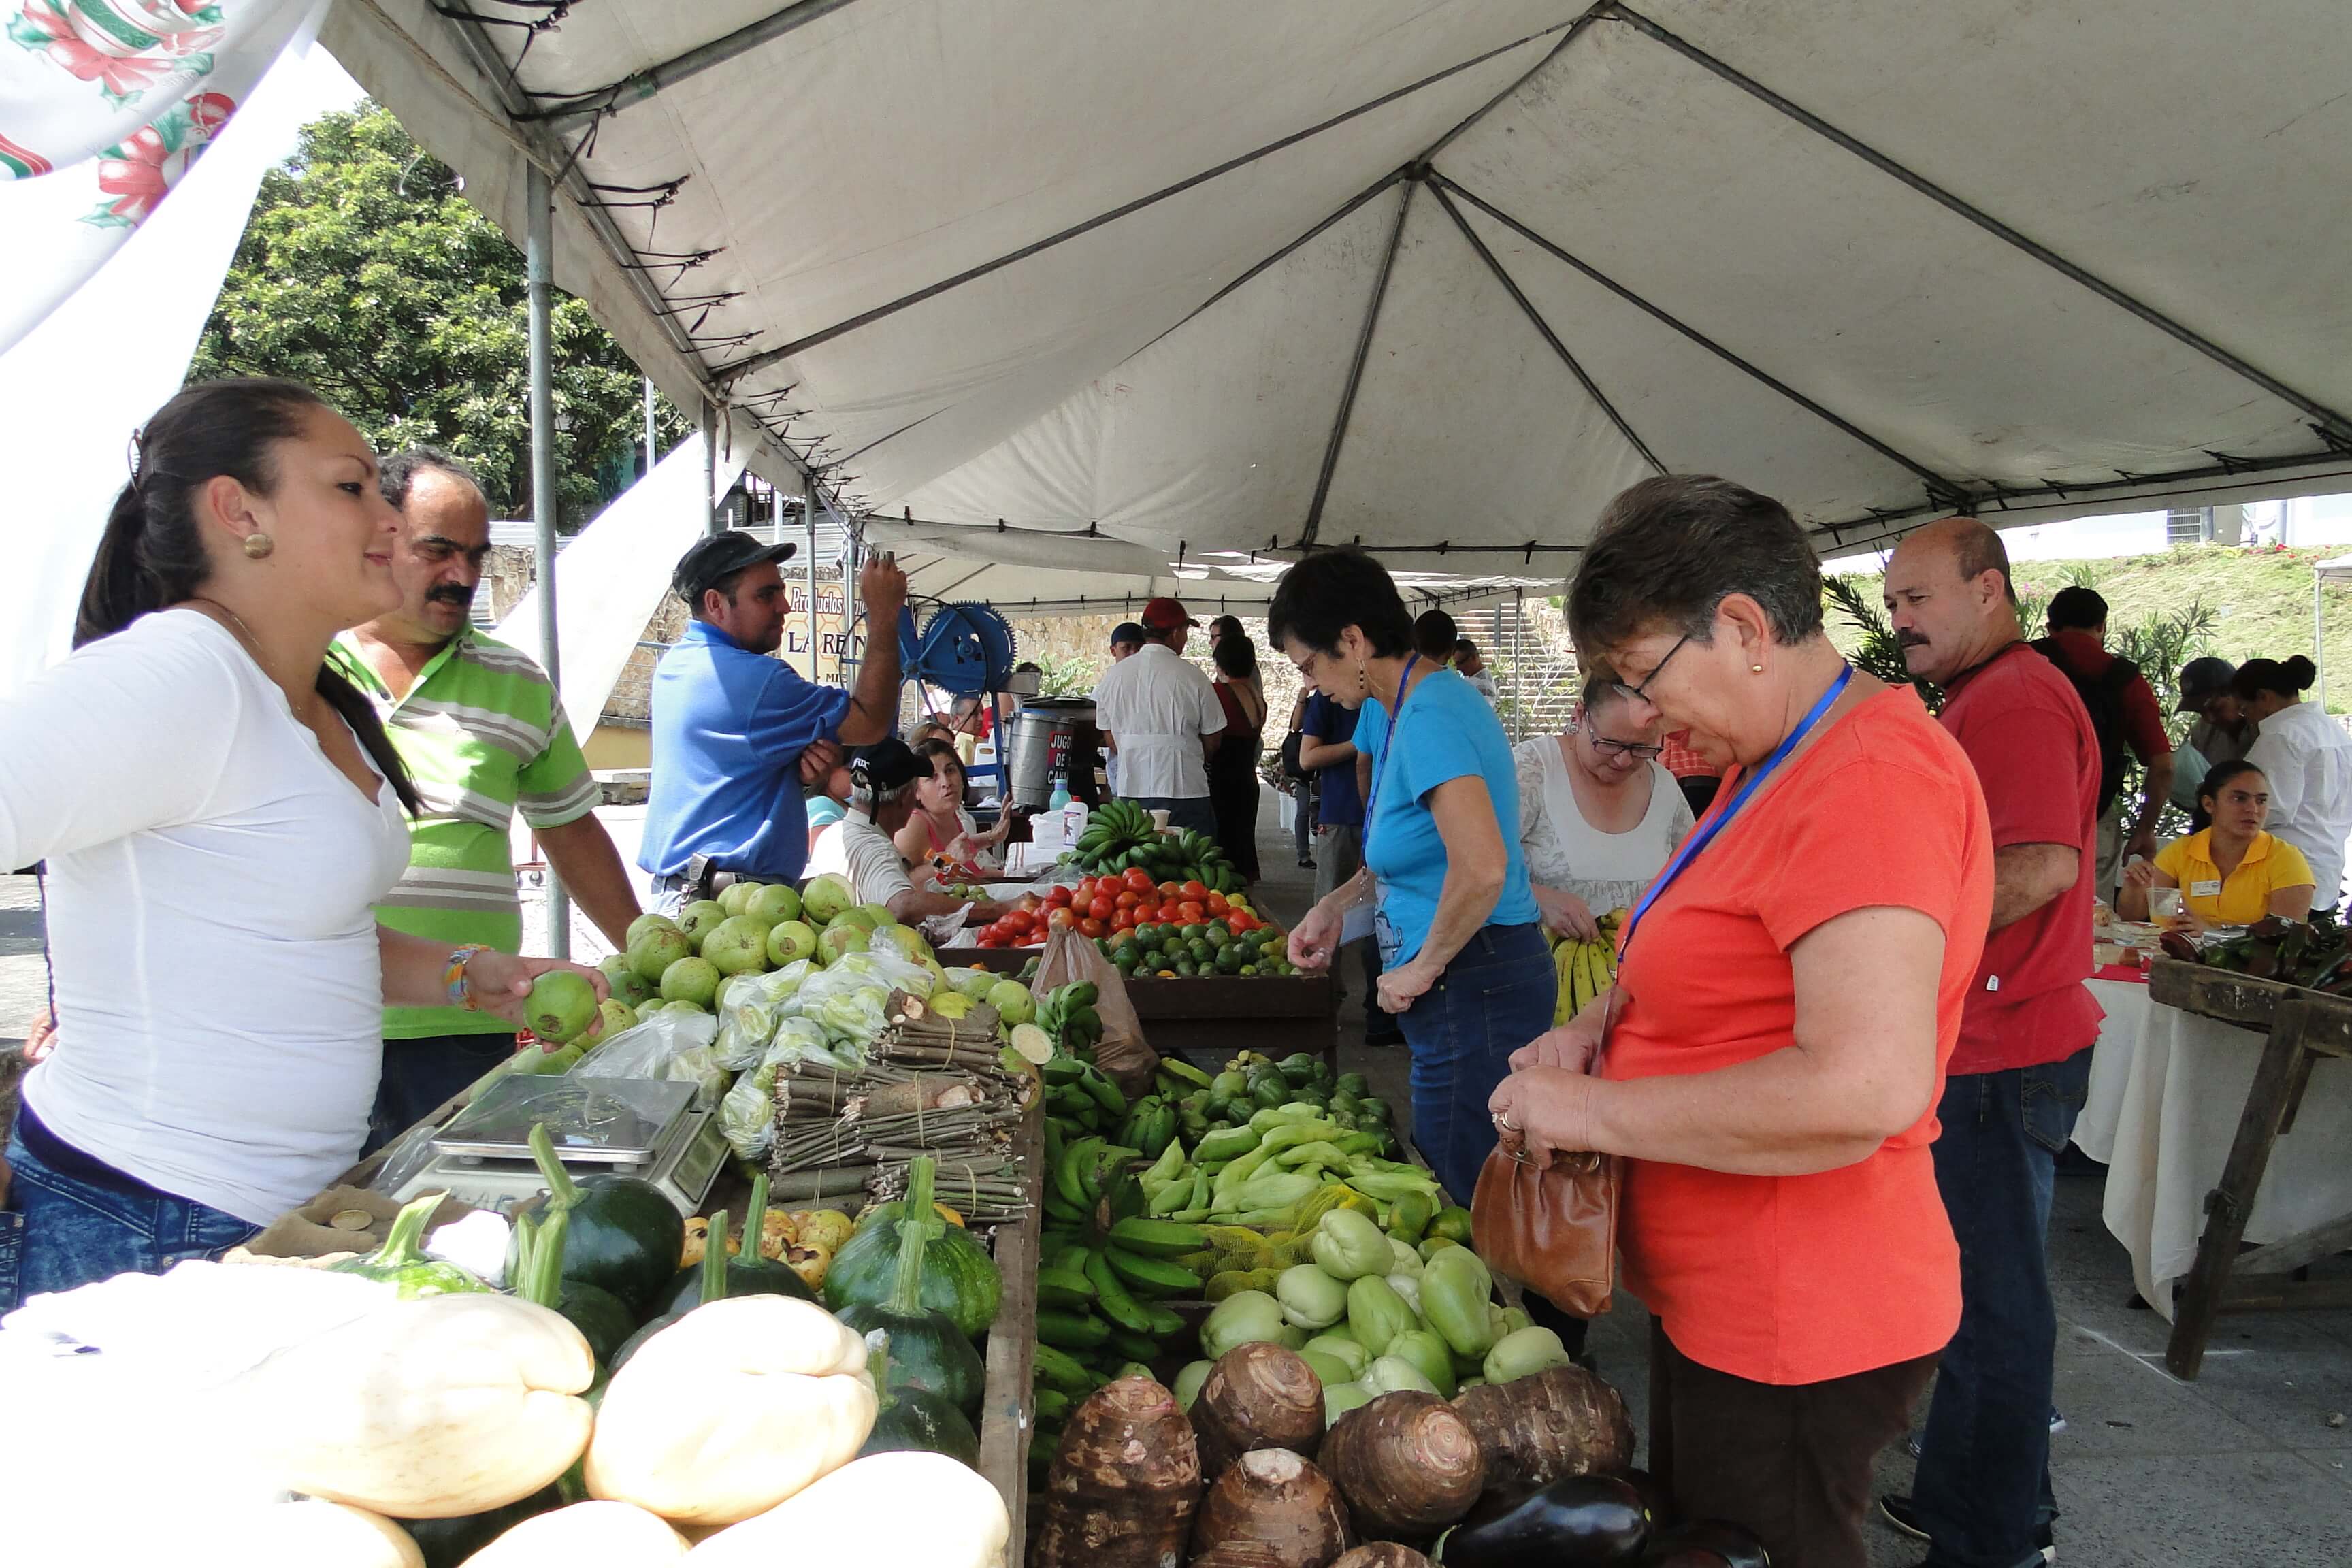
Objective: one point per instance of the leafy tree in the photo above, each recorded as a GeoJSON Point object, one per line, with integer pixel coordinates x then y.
{"type": "Point", "coordinates": [364, 272]}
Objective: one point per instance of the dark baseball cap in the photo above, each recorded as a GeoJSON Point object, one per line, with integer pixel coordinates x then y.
{"type": "Point", "coordinates": [885, 766]}
{"type": "Point", "coordinates": [1126, 631]}
{"type": "Point", "coordinates": [1167, 614]}
{"type": "Point", "coordinates": [2202, 680]}
{"type": "Point", "coordinates": [718, 555]}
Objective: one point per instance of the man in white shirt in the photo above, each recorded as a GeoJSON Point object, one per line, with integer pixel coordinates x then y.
{"type": "Point", "coordinates": [882, 780]}
{"type": "Point", "coordinates": [1472, 668]}
{"type": "Point", "coordinates": [1160, 717]}
{"type": "Point", "coordinates": [1125, 639]}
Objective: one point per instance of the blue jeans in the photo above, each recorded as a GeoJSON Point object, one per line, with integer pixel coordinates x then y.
{"type": "Point", "coordinates": [1494, 998]}
{"type": "Point", "coordinates": [419, 1074]}
{"type": "Point", "coordinates": [1983, 1482]}
{"type": "Point", "coordinates": [74, 1231]}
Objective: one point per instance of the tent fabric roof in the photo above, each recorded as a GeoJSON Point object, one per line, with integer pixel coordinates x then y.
{"type": "Point", "coordinates": [1092, 289]}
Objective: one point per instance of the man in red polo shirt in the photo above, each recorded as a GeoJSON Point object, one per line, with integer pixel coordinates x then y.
{"type": "Point", "coordinates": [1982, 1497]}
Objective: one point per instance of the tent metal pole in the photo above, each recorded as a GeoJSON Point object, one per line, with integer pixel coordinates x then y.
{"type": "Point", "coordinates": [1518, 665]}
{"type": "Point", "coordinates": [2335, 422]}
{"type": "Point", "coordinates": [2319, 634]}
{"type": "Point", "coordinates": [653, 431]}
{"type": "Point", "coordinates": [852, 547]}
{"type": "Point", "coordinates": [808, 569]}
{"type": "Point", "coordinates": [1535, 319]}
{"type": "Point", "coordinates": [642, 85]}
{"type": "Point", "coordinates": [710, 523]}
{"type": "Point", "coordinates": [1933, 480]}
{"type": "Point", "coordinates": [729, 374]}
{"type": "Point", "coordinates": [539, 202]}
{"type": "Point", "coordinates": [1356, 369]}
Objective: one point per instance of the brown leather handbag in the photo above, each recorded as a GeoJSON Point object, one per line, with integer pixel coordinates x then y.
{"type": "Point", "coordinates": [1554, 1231]}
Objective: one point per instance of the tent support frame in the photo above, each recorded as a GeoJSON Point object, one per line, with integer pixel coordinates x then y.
{"type": "Point", "coordinates": [2335, 421]}
{"type": "Point", "coordinates": [653, 81]}
{"type": "Point", "coordinates": [539, 245]}
{"type": "Point", "coordinates": [753, 363]}
{"type": "Point", "coordinates": [1356, 368]}
{"type": "Point", "coordinates": [1535, 319]}
{"type": "Point", "coordinates": [1952, 495]}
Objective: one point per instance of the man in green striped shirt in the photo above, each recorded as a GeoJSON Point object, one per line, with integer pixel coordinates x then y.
{"type": "Point", "coordinates": [479, 727]}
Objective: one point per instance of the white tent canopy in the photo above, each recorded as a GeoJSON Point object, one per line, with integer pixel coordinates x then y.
{"type": "Point", "coordinates": [1091, 290]}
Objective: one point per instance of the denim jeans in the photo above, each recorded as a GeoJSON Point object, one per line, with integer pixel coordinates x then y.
{"type": "Point", "coordinates": [1983, 1482]}
{"type": "Point", "coordinates": [419, 1074]}
{"type": "Point", "coordinates": [1494, 998]}
{"type": "Point", "coordinates": [74, 1232]}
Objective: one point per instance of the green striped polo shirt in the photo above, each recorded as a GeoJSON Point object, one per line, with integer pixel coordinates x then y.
{"type": "Point", "coordinates": [482, 733]}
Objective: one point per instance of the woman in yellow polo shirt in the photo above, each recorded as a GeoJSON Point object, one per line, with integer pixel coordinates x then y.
{"type": "Point", "coordinates": [2232, 873]}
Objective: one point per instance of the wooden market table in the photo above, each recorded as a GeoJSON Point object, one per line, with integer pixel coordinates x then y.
{"type": "Point", "coordinates": [1206, 1018]}
{"type": "Point", "coordinates": [2302, 1028]}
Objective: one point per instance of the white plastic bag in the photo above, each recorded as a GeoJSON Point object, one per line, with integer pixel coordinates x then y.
{"type": "Point", "coordinates": [699, 1067]}
{"type": "Point", "coordinates": [749, 1007]}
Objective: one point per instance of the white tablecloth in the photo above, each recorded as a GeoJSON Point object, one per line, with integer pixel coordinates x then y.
{"type": "Point", "coordinates": [2167, 1091]}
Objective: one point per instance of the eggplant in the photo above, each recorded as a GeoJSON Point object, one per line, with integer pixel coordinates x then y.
{"type": "Point", "coordinates": [448, 1542]}
{"type": "Point", "coordinates": [1710, 1544]}
{"type": "Point", "coordinates": [1577, 1522]}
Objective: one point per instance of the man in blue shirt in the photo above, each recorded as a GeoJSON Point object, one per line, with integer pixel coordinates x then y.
{"type": "Point", "coordinates": [1327, 748]}
{"type": "Point", "coordinates": [735, 730]}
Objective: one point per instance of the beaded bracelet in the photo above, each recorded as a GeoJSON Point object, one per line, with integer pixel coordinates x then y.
{"type": "Point", "coordinates": [453, 979]}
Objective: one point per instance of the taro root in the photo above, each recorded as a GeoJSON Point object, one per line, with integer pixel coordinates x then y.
{"type": "Point", "coordinates": [1382, 1554]}
{"type": "Point", "coordinates": [1270, 1510]}
{"type": "Point", "coordinates": [1407, 1463]}
{"type": "Point", "coordinates": [1562, 1421]}
{"type": "Point", "coordinates": [1258, 1395]}
{"type": "Point", "coordinates": [1124, 1483]}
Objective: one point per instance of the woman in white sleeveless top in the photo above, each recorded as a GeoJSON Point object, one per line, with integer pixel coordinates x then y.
{"type": "Point", "coordinates": [1599, 816]}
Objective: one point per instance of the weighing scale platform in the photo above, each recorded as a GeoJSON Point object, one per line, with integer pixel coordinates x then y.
{"type": "Point", "coordinates": [638, 1127]}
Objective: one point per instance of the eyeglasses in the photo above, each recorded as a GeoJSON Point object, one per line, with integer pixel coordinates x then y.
{"type": "Point", "coordinates": [1643, 691]}
{"type": "Point", "coordinates": [1634, 749]}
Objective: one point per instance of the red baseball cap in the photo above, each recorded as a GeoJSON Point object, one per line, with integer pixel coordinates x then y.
{"type": "Point", "coordinates": [1166, 615]}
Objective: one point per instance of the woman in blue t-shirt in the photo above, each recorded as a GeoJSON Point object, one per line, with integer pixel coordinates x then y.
{"type": "Point", "coordinates": [1464, 962]}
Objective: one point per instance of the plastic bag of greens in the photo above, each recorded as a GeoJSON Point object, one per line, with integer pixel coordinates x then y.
{"type": "Point", "coordinates": [890, 970]}
{"type": "Point", "coordinates": [700, 1068]}
{"type": "Point", "coordinates": [800, 1044]}
{"type": "Point", "coordinates": [849, 1003]}
{"type": "Point", "coordinates": [749, 1007]}
{"type": "Point", "coordinates": [747, 1115]}
{"type": "Point", "coordinates": [646, 1050]}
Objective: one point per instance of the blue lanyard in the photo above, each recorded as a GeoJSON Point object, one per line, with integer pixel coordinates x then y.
{"type": "Point", "coordinates": [1698, 841]}
{"type": "Point", "coordinates": [1388, 745]}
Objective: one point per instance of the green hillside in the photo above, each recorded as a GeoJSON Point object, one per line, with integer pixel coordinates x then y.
{"type": "Point", "coordinates": [2260, 599]}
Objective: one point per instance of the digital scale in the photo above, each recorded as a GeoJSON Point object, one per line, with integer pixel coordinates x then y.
{"type": "Point", "coordinates": [639, 1126]}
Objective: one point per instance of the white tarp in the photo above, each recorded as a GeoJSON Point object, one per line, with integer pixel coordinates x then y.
{"type": "Point", "coordinates": [610, 579]}
{"type": "Point", "coordinates": [1441, 276]}
{"type": "Point", "coordinates": [79, 383]}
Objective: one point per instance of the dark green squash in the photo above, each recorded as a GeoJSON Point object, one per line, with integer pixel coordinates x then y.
{"type": "Point", "coordinates": [959, 1279]}
{"type": "Point", "coordinates": [599, 1316]}
{"type": "Point", "coordinates": [929, 1352]}
{"type": "Point", "coordinates": [911, 1419]}
{"type": "Point", "coordinates": [747, 1273]}
{"type": "Point", "coordinates": [625, 1236]}
{"type": "Point", "coordinates": [448, 1542]}
{"type": "Point", "coordinates": [711, 1277]}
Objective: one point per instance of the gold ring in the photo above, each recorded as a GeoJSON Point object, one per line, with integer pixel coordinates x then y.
{"type": "Point", "coordinates": [1504, 1122]}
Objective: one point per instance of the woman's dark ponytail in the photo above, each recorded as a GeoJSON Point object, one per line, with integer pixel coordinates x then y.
{"type": "Point", "coordinates": [2301, 672]}
{"type": "Point", "coordinates": [152, 551]}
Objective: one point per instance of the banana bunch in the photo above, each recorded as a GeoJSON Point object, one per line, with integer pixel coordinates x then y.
{"type": "Point", "coordinates": [1586, 968]}
{"type": "Point", "coordinates": [1115, 834]}
{"type": "Point", "coordinates": [1067, 1013]}
{"type": "Point", "coordinates": [1120, 838]}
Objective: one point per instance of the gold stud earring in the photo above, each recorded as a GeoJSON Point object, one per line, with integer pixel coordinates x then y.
{"type": "Point", "coordinates": [258, 545]}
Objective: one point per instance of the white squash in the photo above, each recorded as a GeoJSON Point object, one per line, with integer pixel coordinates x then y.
{"type": "Point", "coordinates": [731, 1410]}
{"type": "Point", "coordinates": [886, 1510]}
{"type": "Point", "coordinates": [311, 1532]}
{"type": "Point", "coordinates": [585, 1535]}
{"type": "Point", "coordinates": [426, 1409]}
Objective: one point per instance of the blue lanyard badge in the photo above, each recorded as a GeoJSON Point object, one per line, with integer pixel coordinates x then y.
{"type": "Point", "coordinates": [1716, 824]}
{"type": "Point", "coordinates": [1374, 922]}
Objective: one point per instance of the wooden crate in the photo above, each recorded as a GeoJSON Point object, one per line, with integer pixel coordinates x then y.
{"type": "Point", "coordinates": [2222, 994]}
{"type": "Point", "coordinates": [1006, 1419]}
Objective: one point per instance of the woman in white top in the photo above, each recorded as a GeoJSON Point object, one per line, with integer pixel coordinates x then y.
{"type": "Point", "coordinates": [218, 811]}
{"type": "Point", "coordinates": [1598, 814]}
{"type": "Point", "coordinates": [941, 826]}
{"type": "Point", "coordinates": [2307, 757]}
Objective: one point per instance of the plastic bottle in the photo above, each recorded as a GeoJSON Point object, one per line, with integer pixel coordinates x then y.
{"type": "Point", "coordinates": [1074, 815]}
{"type": "Point", "coordinates": [1061, 794]}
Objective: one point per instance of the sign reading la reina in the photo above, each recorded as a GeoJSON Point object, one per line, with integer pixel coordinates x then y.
{"type": "Point", "coordinates": [828, 633]}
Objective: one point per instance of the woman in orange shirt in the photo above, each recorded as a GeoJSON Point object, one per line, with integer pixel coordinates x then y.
{"type": "Point", "coordinates": [1769, 1061]}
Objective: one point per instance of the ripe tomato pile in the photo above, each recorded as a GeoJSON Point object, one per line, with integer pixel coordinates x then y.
{"type": "Point", "coordinates": [1107, 905]}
